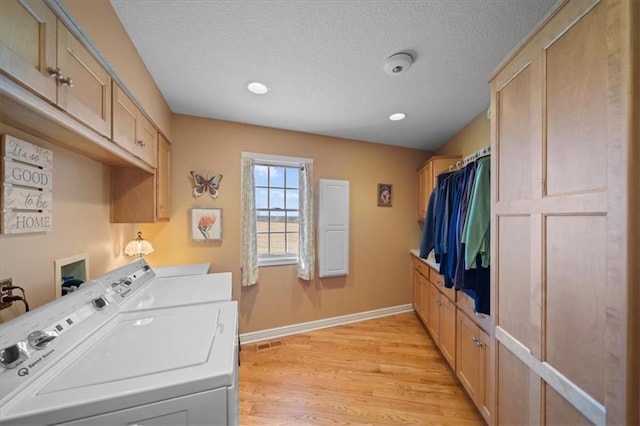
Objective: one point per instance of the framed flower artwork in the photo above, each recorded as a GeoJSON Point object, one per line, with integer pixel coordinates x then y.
{"type": "Point", "coordinates": [206, 224]}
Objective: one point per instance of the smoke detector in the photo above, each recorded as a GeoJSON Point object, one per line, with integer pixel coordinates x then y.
{"type": "Point", "coordinates": [398, 63]}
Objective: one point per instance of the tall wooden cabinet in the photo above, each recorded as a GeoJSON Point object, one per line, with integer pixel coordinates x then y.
{"type": "Point", "coordinates": [565, 222]}
{"type": "Point", "coordinates": [427, 178]}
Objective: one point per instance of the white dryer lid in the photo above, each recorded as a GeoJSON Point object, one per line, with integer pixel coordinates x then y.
{"type": "Point", "coordinates": [183, 290]}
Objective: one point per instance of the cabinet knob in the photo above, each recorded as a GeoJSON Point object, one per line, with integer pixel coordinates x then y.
{"type": "Point", "coordinates": [142, 144]}
{"type": "Point", "coordinates": [54, 72]}
{"type": "Point", "coordinates": [66, 81]}
{"type": "Point", "coordinates": [476, 341]}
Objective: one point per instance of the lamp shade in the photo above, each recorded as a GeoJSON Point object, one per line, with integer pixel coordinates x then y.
{"type": "Point", "coordinates": [138, 247]}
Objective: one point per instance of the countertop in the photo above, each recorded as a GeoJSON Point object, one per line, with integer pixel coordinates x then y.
{"type": "Point", "coordinates": [430, 260]}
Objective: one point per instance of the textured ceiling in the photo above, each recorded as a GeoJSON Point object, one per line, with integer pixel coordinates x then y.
{"type": "Point", "coordinates": [323, 61]}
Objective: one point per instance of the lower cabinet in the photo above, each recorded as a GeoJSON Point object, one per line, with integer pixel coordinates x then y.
{"type": "Point", "coordinates": [434, 313]}
{"type": "Point", "coordinates": [447, 316]}
{"type": "Point", "coordinates": [421, 296]}
{"type": "Point", "coordinates": [472, 362]}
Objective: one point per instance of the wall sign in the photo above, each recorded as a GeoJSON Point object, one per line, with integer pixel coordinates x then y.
{"type": "Point", "coordinates": [27, 181]}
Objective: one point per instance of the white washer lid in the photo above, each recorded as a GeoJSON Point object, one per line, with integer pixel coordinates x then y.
{"type": "Point", "coordinates": [138, 358]}
{"type": "Point", "coordinates": [160, 341]}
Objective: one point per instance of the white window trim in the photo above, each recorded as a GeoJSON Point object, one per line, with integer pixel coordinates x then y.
{"type": "Point", "coordinates": [283, 161]}
{"type": "Point", "coordinates": [277, 260]}
{"type": "Point", "coordinates": [278, 160]}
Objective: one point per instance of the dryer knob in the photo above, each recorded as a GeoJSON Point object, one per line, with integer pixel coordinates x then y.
{"type": "Point", "coordinates": [14, 355]}
{"type": "Point", "coordinates": [40, 339]}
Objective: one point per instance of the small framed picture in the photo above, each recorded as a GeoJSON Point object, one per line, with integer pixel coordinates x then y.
{"type": "Point", "coordinates": [206, 224]}
{"type": "Point", "coordinates": [384, 195]}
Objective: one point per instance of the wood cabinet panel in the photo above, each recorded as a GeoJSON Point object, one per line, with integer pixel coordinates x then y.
{"type": "Point", "coordinates": [425, 301]}
{"type": "Point", "coordinates": [427, 179]}
{"type": "Point", "coordinates": [416, 291]}
{"type": "Point", "coordinates": [434, 313]}
{"type": "Point", "coordinates": [575, 336]}
{"type": "Point", "coordinates": [576, 114]}
{"type": "Point", "coordinates": [513, 388]}
{"type": "Point", "coordinates": [133, 196]}
{"type": "Point", "coordinates": [425, 184]}
{"type": "Point", "coordinates": [560, 412]}
{"type": "Point", "coordinates": [467, 367]}
{"type": "Point", "coordinates": [163, 179]}
{"type": "Point", "coordinates": [88, 97]}
{"type": "Point", "coordinates": [515, 125]}
{"type": "Point", "coordinates": [515, 290]}
{"type": "Point", "coordinates": [28, 44]}
{"type": "Point", "coordinates": [131, 129]}
{"type": "Point", "coordinates": [448, 330]}
{"type": "Point", "coordinates": [147, 141]}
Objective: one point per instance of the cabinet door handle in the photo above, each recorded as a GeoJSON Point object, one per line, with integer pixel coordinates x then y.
{"type": "Point", "coordinates": [142, 144]}
{"type": "Point", "coordinates": [476, 341]}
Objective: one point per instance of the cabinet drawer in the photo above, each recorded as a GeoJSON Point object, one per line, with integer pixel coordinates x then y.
{"type": "Point", "coordinates": [421, 267]}
{"type": "Point", "coordinates": [467, 305]}
{"type": "Point", "coordinates": [438, 281]}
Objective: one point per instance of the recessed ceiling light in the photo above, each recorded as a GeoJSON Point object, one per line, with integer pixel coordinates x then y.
{"type": "Point", "coordinates": [257, 88]}
{"type": "Point", "coordinates": [397, 116]}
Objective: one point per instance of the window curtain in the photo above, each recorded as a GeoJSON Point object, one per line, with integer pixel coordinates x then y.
{"type": "Point", "coordinates": [249, 251]}
{"type": "Point", "coordinates": [306, 244]}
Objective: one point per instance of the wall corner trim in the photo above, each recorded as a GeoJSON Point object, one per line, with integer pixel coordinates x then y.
{"type": "Point", "coordinates": [288, 330]}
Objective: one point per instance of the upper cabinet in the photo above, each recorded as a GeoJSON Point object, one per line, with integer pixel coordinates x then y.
{"type": "Point", "coordinates": [427, 179]}
{"type": "Point", "coordinates": [55, 85]}
{"type": "Point", "coordinates": [28, 31]}
{"type": "Point", "coordinates": [131, 129]}
{"type": "Point", "coordinates": [38, 50]}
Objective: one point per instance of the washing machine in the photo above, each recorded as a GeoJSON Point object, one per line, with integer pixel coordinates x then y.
{"type": "Point", "coordinates": [87, 359]}
{"type": "Point", "coordinates": [184, 269]}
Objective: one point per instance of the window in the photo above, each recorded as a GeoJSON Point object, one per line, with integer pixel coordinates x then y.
{"type": "Point", "coordinates": [277, 192]}
{"type": "Point", "coordinates": [276, 214]}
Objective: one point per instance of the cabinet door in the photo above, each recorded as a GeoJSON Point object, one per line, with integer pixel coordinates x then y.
{"type": "Point", "coordinates": [147, 141]}
{"type": "Point", "coordinates": [484, 393]}
{"type": "Point", "coordinates": [424, 301]}
{"type": "Point", "coordinates": [424, 184]}
{"type": "Point", "coordinates": [28, 44]}
{"type": "Point", "coordinates": [448, 330]}
{"type": "Point", "coordinates": [87, 93]}
{"type": "Point", "coordinates": [125, 120]}
{"type": "Point", "coordinates": [467, 355]}
{"type": "Point", "coordinates": [434, 313]}
{"type": "Point", "coordinates": [163, 178]}
{"type": "Point", "coordinates": [417, 294]}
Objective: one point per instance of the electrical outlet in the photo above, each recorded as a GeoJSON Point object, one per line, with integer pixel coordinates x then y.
{"type": "Point", "coordinates": [5, 291]}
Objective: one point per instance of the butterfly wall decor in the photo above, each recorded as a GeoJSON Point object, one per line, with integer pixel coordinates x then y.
{"type": "Point", "coordinates": [202, 185]}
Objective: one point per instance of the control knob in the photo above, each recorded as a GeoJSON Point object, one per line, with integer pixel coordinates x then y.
{"type": "Point", "coordinates": [14, 355]}
{"type": "Point", "coordinates": [99, 303]}
{"type": "Point", "coordinates": [40, 339]}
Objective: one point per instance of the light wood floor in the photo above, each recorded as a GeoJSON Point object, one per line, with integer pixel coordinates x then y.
{"type": "Point", "coordinates": [384, 371]}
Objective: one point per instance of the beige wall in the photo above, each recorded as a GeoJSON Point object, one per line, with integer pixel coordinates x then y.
{"type": "Point", "coordinates": [80, 225]}
{"type": "Point", "coordinates": [100, 23]}
{"type": "Point", "coordinates": [380, 269]}
{"type": "Point", "coordinates": [472, 137]}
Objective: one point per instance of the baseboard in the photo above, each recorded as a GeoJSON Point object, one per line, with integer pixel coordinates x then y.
{"type": "Point", "coordinates": [288, 330]}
